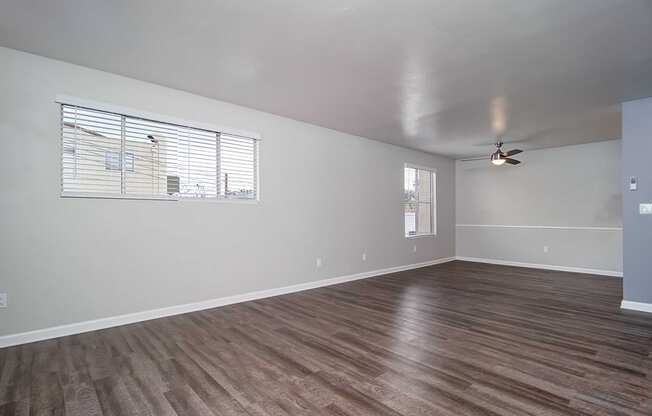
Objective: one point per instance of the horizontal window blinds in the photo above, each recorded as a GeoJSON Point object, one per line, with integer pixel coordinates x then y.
{"type": "Point", "coordinates": [237, 167]}
{"type": "Point", "coordinates": [92, 148]}
{"type": "Point", "coordinates": [118, 155]}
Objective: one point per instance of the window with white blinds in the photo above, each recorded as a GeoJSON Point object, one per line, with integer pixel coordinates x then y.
{"type": "Point", "coordinates": [107, 154]}
{"type": "Point", "coordinates": [419, 201]}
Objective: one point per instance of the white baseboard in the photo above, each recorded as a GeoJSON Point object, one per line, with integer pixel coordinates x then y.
{"type": "Point", "coordinates": [636, 306]}
{"type": "Point", "coordinates": [93, 325]}
{"type": "Point", "coordinates": [613, 273]}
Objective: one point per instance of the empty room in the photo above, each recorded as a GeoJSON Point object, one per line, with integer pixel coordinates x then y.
{"type": "Point", "coordinates": [338, 208]}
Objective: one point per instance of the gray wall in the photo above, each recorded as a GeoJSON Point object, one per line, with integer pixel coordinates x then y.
{"type": "Point", "coordinates": [574, 189]}
{"type": "Point", "coordinates": [637, 161]}
{"type": "Point", "coordinates": [324, 193]}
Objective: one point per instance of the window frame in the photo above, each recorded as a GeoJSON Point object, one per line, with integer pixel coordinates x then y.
{"type": "Point", "coordinates": [62, 100]}
{"type": "Point", "coordinates": [433, 201]}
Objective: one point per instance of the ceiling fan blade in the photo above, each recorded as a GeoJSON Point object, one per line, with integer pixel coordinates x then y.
{"type": "Point", "coordinates": [512, 161]}
{"type": "Point", "coordinates": [513, 152]}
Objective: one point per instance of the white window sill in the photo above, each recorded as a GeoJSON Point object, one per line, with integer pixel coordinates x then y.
{"type": "Point", "coordinates": [411, 237]}
{"type": "Point", "coordinates": [98, 195]}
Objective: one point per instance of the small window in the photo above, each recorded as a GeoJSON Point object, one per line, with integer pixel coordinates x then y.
{"type": "Point", "coordinates": [419, 196]}
{"type": "Point", "coordinates": [112, 161]}
{"type": "Point", "coordinates": [161, 160]}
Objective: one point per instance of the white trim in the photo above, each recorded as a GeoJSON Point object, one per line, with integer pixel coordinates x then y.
{"type": "Point", "coordinates": [636, 306]}
{"type": "Point", "coordinates": [93, 325]}
{"type": "Point", "coordinates": [111, 108]}
{"type": "Point", "coordinates": [538, 227]}
{"type": "Point", "coordinates": [613, 273]}
{"type": "Point", "coordinates": [416, 166]}
{"type": "Point", "coordinates": [410, 237]}
{"type": "Point", "coordinates": [100, 195]}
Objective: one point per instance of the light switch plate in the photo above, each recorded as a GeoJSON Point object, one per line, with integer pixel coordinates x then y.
{"type": "Point", "coordinates": [3, 300]}
{"type": "Point", "coordinates": [645, 209]}
{"type": "Point", "coordinates": [633, 183]}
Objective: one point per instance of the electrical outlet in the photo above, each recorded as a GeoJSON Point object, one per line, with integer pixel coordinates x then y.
{"type": "Point", "coordinates": [414, 248]}
{"type": "Point", "coordinates": [318, 262]}
{"type": "Point", "coordinates": [364, 256]}
{"type": "Point", "coordinates": [3, 300]}
{"type": "Point", "coordinates": [546, 249]}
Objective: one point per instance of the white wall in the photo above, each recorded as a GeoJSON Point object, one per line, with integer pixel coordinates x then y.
{"type": "Point", "coordinates": [565, 187]}
{"type": "Point", "coordinates": [324, 193]}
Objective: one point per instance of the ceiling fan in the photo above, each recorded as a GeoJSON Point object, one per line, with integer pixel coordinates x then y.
{"type": "Point", "coordinates": [500, 157]}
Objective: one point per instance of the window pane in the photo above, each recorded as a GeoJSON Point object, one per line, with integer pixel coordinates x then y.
{"type": "Point", "coordinates": [424, 185]}
{"type": "Point", "coordinates": [410, 211]}
{"type": "Point", "coordinates": [170, 159]}
{"type": "Point", "coordinates": [153, 148]}
{"type": "Point", "coordinates": [238, 174]}
{"type": "Point", "coordinates": [409, 186]}
{"type": "Point", "coordinates": [424, 215]}
{"type": "Point", "coordinates": [91, 151]}
{"type": "Point", "coordinates": [196, 163]}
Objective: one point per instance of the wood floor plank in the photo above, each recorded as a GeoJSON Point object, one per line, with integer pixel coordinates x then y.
{"type": "Point", "coordinates": [454, 339]}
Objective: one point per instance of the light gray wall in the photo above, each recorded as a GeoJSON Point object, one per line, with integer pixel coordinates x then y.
{"type": "Point", "coordinates": [572, 186]}
{"type": "Point", "coordinates": [637, 161]}
{"type": "Point", "coordinates": [324, 193]}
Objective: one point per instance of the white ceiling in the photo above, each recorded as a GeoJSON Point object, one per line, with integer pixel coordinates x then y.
{"type": "Point", "coordinates": [440, 76]}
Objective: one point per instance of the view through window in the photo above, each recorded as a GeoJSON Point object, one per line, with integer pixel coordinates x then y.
{"type": "Point", "coordinates": [160, 159]}
{"type": "Point", "coordinates": [419, 201]}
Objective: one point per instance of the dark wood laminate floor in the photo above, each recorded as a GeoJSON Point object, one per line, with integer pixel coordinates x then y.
{"type": "Point", "coordinates": [453, 339]}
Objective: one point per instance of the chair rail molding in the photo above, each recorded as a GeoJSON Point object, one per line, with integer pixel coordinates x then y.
{"type": "Point", "coordinates": [541, 227]}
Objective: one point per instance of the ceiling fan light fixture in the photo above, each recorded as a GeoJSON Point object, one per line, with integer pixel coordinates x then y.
{"type": "Point", "coordinates": [497, 158]}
